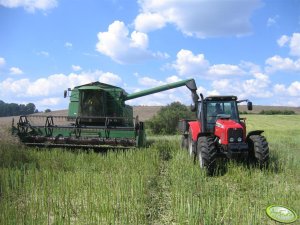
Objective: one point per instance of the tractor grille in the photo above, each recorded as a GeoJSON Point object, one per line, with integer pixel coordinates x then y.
{"type": "Point", "coordinates": [235, 134]}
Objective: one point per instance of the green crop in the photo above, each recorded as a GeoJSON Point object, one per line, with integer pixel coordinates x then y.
{"type": "Point", "coordinates": [156, 185]}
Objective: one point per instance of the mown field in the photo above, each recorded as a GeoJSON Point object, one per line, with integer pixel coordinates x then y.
{"type": "Point", "coordinates": [155, 185]}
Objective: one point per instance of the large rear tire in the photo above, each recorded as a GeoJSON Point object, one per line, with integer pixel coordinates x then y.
{"type": "Point", "coordinates": [207, 152]}
{"type": "Point", "coordinates": [184, 142]}
{"type": "Point", "coordinates": [191, 145]}
{"type": "Point", "coordinates": [259, 150]}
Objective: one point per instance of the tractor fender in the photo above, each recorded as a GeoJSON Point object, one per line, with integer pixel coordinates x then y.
{"type": "Point", "coordinates": [194, 130]}
{"type": "Point", "coordinates": [254, 132]}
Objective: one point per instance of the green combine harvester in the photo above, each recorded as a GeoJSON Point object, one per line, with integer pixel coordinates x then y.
{"type": "Point", "coordinates": [97, 118]}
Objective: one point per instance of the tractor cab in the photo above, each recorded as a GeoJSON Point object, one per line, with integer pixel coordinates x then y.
{"type": "Point", "coordinates": [213, 108]}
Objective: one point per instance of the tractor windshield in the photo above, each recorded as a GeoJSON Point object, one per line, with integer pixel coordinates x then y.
{"type": "Point", "coordinates": [216, 109]}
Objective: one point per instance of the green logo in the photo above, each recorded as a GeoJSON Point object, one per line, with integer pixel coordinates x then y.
{"type": "Point", "coordinates": [281, 214]}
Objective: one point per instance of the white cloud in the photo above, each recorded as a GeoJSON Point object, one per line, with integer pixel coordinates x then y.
{"type": "Point", "coordinates": [2, 62]}
{"type": "Point", "coordinates": [30, 5]}
{"type": "Point", "coordinates": [146, 22]}
{"type": "Point", "coordinates": [68, 45]}
{"type": "Point", "coordinates": [15, 71]}
{"type": "Point", "coordinates": [277, 63]}
{"type": "Point", "coordinates": [225, 69]}
{"type": "Point", "coordinates": [272, 21]}
{"type": "Point", "coordinates": [294, 89]}
{"type": "Point", "coordinates": [43, 53]}
{"type": "Point", "coordinates": [279, 88]}
{"type": "Point", "coordinates": [188, 64]}
{"type": "Point", "coordinates": [123, 47]}
{"type": "Point", "coordinates": [172, 79]}
{"type": "Point", "coordinates": [49, 102]}
{"type": "Point", "coordinates": [198, 18]}
{"type": "Point", "coordinates": [295, 44]}
{"type": "Point", "coordinates": [76, 68]}
{"type": "Point", "coordinates": [110, 78]}
{"type": "Point", "coordinates": [52, 85]}
{"type": "Point", "coordinates": [257, 87]}
{"type": "Point", "coordinates": [150, 82]}
{"type": "Point", "coordinates": [283, 40]}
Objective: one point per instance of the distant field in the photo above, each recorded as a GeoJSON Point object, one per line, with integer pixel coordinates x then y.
{"type": "Point", "coordinates": [156, 185]}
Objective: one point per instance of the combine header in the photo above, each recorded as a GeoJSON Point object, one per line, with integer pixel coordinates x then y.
{"type": "Point", "coordinates": [97, 118]}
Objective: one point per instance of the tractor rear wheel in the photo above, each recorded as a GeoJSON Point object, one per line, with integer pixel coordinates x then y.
{"type": "Point", "coordinates": [184, 142]}
{"type": "Point", "coordinates": [206, 152]}
{"type": "Point", "coordinates": [259, 150]}
{"type": "Point", "coordinates": [191, 145]}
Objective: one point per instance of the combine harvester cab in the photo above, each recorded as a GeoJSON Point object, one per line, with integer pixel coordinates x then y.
{"type": "Point", "coordinates": [97, 118]}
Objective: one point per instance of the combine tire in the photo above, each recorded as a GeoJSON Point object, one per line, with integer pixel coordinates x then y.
{"type": "Point", "coordinates": [259, 150]}
{"type": "Point", "coordinates": [206, 151]}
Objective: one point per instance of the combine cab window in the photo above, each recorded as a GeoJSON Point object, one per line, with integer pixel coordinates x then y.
{"type": "Point", "coordinates": [92, 103]}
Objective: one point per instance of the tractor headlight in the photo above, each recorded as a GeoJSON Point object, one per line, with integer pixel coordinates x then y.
{"type": "Point", "coordinates": [239, 139]}
{"type": "Point", "coordinates": [231, 139]}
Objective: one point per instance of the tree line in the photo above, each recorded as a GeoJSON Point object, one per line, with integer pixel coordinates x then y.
{"type": "Point", "coordinates": [14, 109]}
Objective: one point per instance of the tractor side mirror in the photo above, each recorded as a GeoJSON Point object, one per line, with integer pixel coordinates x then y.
{"type": "Point", "coordinates": [249, 105]}
{"type": "Point", "coordinates": [65, 93]}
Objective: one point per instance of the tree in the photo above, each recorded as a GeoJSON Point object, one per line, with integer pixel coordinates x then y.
{"type": "Point", "coordinates": [166, 120]}
{"type": "Point", "coordinates": [13, 109]}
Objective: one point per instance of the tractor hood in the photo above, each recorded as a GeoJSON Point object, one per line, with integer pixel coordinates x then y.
{"type": "Point", "coordinates": [229, 131]}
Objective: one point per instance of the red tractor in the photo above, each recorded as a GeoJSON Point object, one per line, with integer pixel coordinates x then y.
{"type": "Point", "coordinates": [219, 132]}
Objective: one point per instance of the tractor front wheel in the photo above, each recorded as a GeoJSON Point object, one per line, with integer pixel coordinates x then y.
{"type": "Point", "coordinates": [206, 152]}
{"type": "Point", "coordinates": [259, 150]}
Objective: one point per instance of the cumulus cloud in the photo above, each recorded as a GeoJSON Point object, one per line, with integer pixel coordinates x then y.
{"type": "Point", "coordinates": [293, 42]}
{"type": "Point", "coordinates": [15, 71]}
{"type": "Point", "coordinates": [146, 22]}
{"type": "Point", "coordinates": [198, 18]}
{"type": "Point", "coordinates": [188, 64]}
{"type": "Point", "coordinates": [225, 69]}
{"type": "Point", "coordinates": [49, 102]}
{"type": "Point", "coordinates": [124, 47]}
{"type": "Point", "coordinates": [2, 62]}
{"type": "Point", "coordinates": [76, 68]}
{"type": "Point", "coordinates": [283, 40]}
{"type": "Point", "coordinates": [192, 65]}
{"type": "Point", "coordinates": [52, 85]}
{"type": "Point", "coordinates": [30, 6]}
{"type": "Point", "coordinates": [68, 45]}
{"type": "Point", "coordinates": [181, 94]}
{"type": "Point", "coordinates": [277, 63]}
{"type": "Point", "coordinates": [272, 21]}
{"type": "Point", "coordinates": [110, 78]}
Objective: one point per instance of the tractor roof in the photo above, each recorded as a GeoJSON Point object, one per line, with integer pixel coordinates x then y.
{"type": "Point", "coordinates": [221, 98]}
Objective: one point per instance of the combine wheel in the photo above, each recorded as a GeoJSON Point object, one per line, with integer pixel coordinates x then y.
{"type": "Point", "coordinates": [206, 151]}
{"type": "Point", "coordinates": [259, 150]}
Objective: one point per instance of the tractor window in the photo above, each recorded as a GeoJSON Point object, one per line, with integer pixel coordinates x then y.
{"type": "Point", "coordinates": [217, 108]}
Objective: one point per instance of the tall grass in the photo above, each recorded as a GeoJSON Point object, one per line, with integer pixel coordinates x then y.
{"type": "Point", "coordinates": [157, 185]}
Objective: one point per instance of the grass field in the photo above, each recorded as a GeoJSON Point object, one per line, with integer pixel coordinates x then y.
{"type": "Point", "coordinates": [156, 185]}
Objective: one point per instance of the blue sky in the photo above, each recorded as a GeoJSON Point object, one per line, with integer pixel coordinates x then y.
{"type": "Point", "coordinates": [248, 48]}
